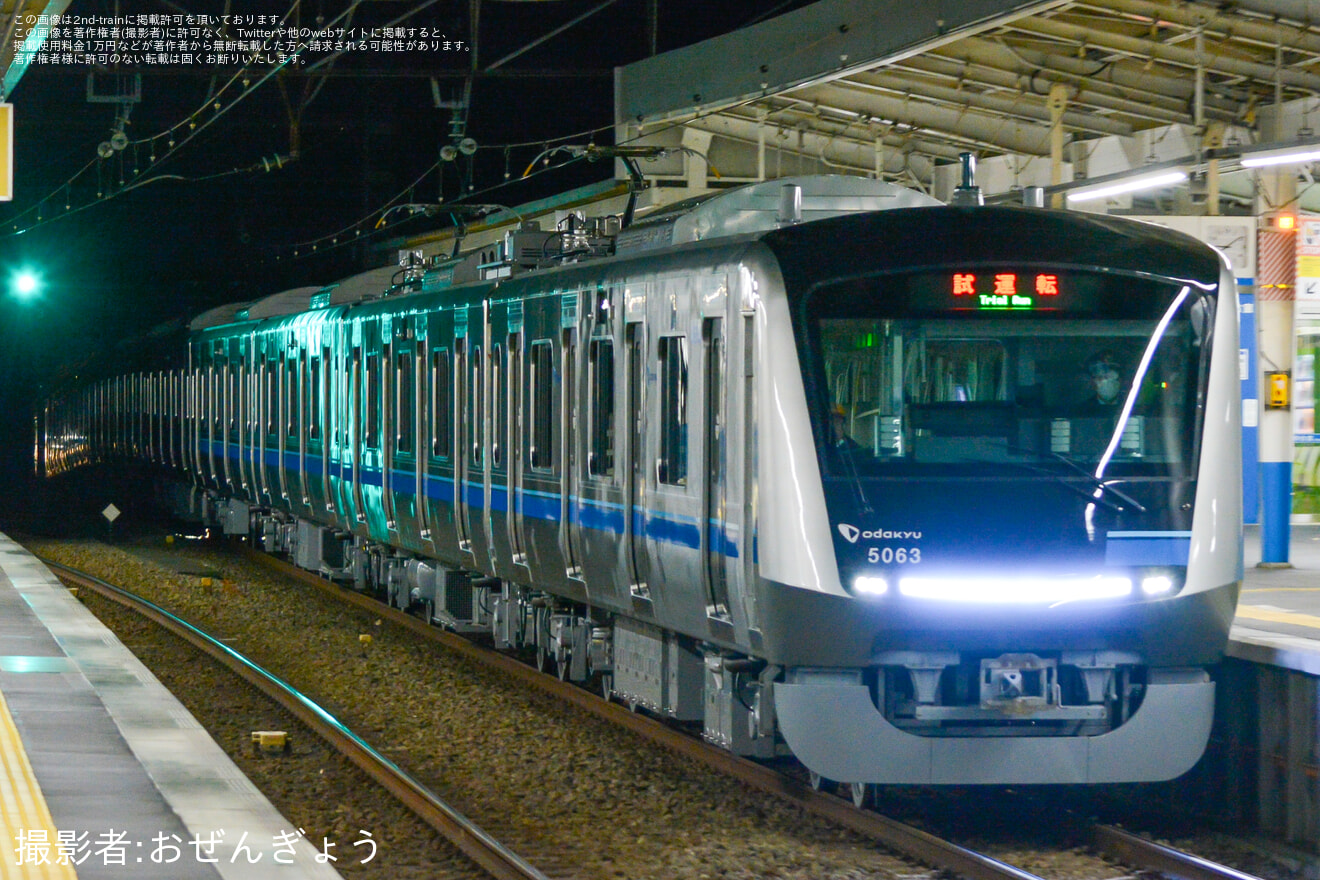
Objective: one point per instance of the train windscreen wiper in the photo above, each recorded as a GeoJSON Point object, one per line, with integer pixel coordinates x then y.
{"type": "Point", "coordinates": [1098, 487]}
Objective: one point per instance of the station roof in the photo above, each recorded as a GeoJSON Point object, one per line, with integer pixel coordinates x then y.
{"type": "Point", "coordinates": [17, 18]}
{"type": "Point", "coordinates": [857, 86]}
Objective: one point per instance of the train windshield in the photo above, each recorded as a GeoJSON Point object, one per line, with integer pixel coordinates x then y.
{"type": "Point", "coordinates": [915, 379]}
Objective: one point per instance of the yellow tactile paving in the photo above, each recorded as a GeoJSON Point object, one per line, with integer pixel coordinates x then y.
{"type": "Point", "coordinates": [1277, 615]}
{"type": "Point", "coordinates": [23, 814]}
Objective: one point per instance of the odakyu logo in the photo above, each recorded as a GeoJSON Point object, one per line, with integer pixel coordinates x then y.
{"type": "Point", "coordinates": [852, 534]}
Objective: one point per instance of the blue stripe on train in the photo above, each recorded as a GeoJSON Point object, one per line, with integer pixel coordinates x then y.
{"type": "Point", "coordinates": [589, 513]}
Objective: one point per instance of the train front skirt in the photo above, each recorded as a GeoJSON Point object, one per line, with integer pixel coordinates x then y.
{"type": "Point", "coordinates": [834, 728]}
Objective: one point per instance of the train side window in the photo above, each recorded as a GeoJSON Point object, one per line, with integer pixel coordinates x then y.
{"type": "Point", "coordinates": [371, 414]}
{"type": "Point", "coordinates": [442, 403]}
{"type": "Point", "coordinates": [600, 366]}
{"type": "Point", "coordinates": [477, 408]}
{"type": "Point", "coordinates": [269, 405]}
{"type": "Point", "coordinates": [293, 394]}
{"type": "Point", "coordinates": [404, 402]}
{"type": "Point", "coordinates": [314, 398]}
{"type": "Point", "coordinates": [671, 468]}
{"type": "Point", "coordinates": [541, 450]}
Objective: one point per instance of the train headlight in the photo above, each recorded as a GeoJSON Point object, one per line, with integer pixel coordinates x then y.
{"type": "Point", "coordinates": [869, 585]}
{"type": "Point", "coordinates": [1158, 583]}
{"type": "Point", "coordinates": [1049, 590]}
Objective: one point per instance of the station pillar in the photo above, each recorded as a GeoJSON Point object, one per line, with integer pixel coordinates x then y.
{"type": "Point", "coordinates": [1276, 430]}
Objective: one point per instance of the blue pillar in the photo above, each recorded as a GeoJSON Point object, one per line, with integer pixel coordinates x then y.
{"type": "Point", "coordinates": [1275, 338]}
{"type": "Point", "coordinates": [1250, 407]}
{"type": "Point", "coordinates": [1276, 511]}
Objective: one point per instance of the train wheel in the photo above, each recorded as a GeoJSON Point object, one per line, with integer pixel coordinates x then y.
{"type": "Point", "coordinates": [861, 793]}
{"type": "Point", "coordinates": [606, 686]}
{"type": "Point", "coordinates": [818, 782]}
{"type": "Point", "coordinates": [562, 665]}
{"type": "Point", "coordinates": [543, 659]}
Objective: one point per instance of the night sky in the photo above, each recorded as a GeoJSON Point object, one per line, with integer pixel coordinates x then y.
{"type": "Point", "coordinates": [165, 249]}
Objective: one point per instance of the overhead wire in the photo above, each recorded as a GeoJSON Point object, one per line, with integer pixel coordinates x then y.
{"type": "Point", "coordinates": [195, 128]}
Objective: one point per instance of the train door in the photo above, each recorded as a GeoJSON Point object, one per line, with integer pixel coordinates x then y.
{"type": "Point", "coordinates": [634, 409]}
{"type": "Point", "coordinates": [480, 412]}
{"type": "Point", "coordinates": [287, 424]}
{"type": "Point", "coordinates": [505, 323]}
{"type": "Point", "coordinates": [341, 408]}
{"type": "Point", "coordinates": [540, 504]}
{"type": "Point", "coordinates": [388, 442]}
{"type": "Point", "coordinates": [352, 453]}
{"type": "Point", "coordinates": [243, 402]}
{"type": "Point", "coordinates": [373, 451]}
{"type": "Point", "coordinates": [742, 467]}
{"type": "Point", "coordinates": [260, 414]}
{"type": "Point", "coordinates": [471, 432]}
{"type": "Point", "coordinates": [313, 436]}
{"type": "Point", "coordinates": [715, 547]}
{"type": "Point", "coordinates": [600, 524]}
{"type": "Point", "coordinates": [671, 530]}
{"type": "Point", "coordinates": [441, 465]}
{"type": "Point", "coordinates": [401, 484]}
{"type": "Point", "coordinates": [570, 501]}
{"type": "Point", "coordinates": [517, 379]}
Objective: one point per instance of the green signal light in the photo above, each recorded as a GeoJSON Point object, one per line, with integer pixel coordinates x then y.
{"type": "Point", "coordinates": [25, 284]}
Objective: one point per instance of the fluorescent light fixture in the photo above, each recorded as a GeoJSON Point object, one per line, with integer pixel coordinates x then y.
{"type": "Point", "coordinates": [1154, 585]}
{"type": "Point", "coordinates": [1283, 156]}
{"type": "Point", "coordinates": [1132, 184]}
{"type": "Point", "coordinates": [866, 585]}
{"type": "Point", "coordinates": [1009, 590]}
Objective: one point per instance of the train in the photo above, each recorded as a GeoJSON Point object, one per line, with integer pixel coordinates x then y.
{"type": "Point", "coordinates": [918, 493]}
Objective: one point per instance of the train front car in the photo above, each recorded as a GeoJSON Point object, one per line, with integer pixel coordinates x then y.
{"type": "Point", "coordinates": [1027, 428]}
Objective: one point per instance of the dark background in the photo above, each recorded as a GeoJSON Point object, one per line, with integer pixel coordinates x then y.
{"type": "Point", "coordinates": [120, 252]}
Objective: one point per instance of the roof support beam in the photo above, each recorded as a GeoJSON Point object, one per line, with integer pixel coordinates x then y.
{"type": "Point", "coordinates": [1194, 15]}
{"type": "Point", "coordinates": [1122, 87]}
{"type": "Point", "coordinates": [1012, 135]}
{"type": "Point", "coordinates": [1022, 105]}
{"type": "Point", "coordinates": [1139, 48]}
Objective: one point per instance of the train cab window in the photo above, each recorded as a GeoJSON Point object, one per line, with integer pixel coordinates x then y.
{"type": "Point", "coordinates": [1105, 381]}
{"type": "Point", "coordinates": [541, 450]}
{"type": "Point", "coordinates": [442, 403]}
{"type": "Point", "coordinates": [404, 402]}
{"type": "Point", "coordinates": [600, 378]}
{"type": "Point", "coordinates": [671, 468]}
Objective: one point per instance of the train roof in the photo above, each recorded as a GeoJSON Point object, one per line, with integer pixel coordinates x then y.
{"type": "Point", "coordinates": [757, 207]}
{"type": "Point", "coordinates": [761, 207]}
{"type": "Point", "coordinates": [354, 289]}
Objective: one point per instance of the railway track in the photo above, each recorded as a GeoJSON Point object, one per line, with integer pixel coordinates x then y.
{"type": "Point", "coordinates": [928, 849]}
{"type": "Point", "coordinates": [494, 858]}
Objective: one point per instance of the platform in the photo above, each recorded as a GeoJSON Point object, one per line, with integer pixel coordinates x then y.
{"type": "Point", "coordinates": [105, 769]}
{"type": "Point", "coordinates": [1278, 616]}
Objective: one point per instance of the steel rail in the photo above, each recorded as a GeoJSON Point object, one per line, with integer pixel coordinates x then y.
{"type": "Point", "coordinates": [1139, 852]}
{"type": "Point", "coordinates": [897, 836]}
{"type": "Point", "coordinates": [466, 835]}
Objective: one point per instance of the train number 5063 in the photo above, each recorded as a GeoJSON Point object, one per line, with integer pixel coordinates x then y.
{"type": "Point", "coordinates": [889, 555]}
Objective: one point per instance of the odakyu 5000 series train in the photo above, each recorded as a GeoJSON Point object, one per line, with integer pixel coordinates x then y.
{"type": "Point", "coordinates": [922, 493]}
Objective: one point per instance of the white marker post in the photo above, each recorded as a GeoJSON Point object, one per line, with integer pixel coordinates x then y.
{"type": "Point", "coordinates": [111, 513]}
